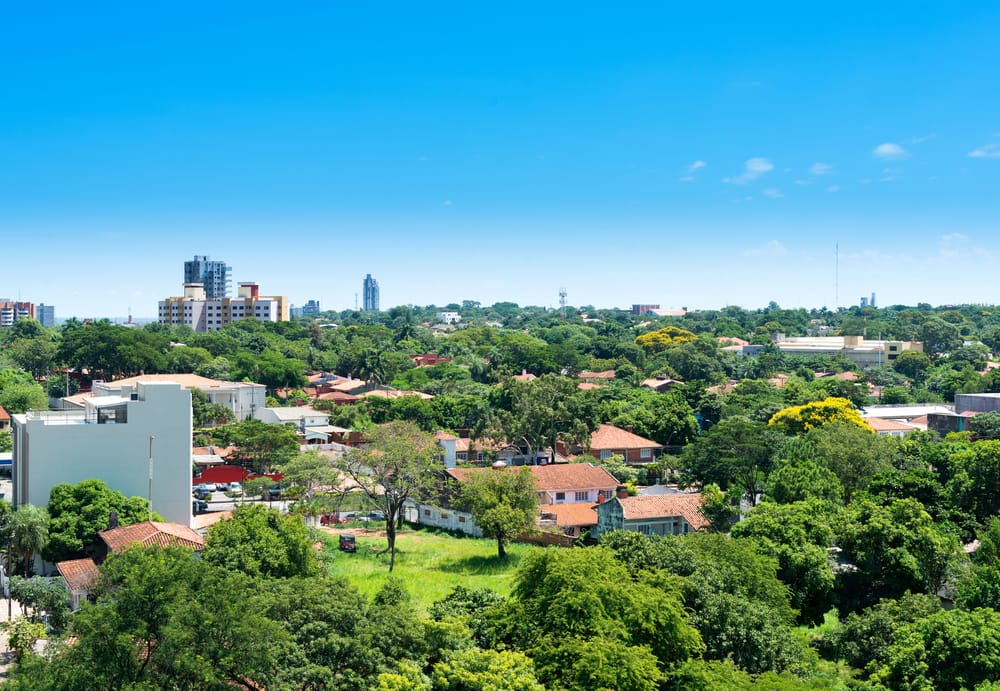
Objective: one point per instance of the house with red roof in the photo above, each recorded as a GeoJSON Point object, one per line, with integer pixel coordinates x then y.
{"type": "Point", "coordinates": [560, 483]}
{"type": "Point", "coordinates": [661, 514]}
{"type": "Point", "coordinates": [4, 419]}
{"type": "Point", "coordinates": [608, 440]}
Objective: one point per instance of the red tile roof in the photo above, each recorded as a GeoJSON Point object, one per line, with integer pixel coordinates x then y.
{"type": "Point", "coordinates": [886, 425]}
{"type": "Point", "coordinates": [4, 415]}
{"type": "Point", "coordinates": [557, 477]}
{"type": "Point", "coordinates": [664, 505]}
{"type": "Point", "coordinates": [567, 515]}
{"type": "Point", "coordinates": [80, 574]}
{"type": "Point", "coordinates": [611, 437]}
{"type": "Point", "coordinates": [606, 374]}
{"type": "Point", "coordinates": [151, 533]}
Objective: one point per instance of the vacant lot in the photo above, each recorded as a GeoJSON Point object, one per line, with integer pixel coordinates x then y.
{"type": "Point", "coordinates": [429, 562]}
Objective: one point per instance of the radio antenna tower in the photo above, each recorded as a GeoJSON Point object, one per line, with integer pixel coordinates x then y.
{"type": "Point", "coordinates": [562, 301]}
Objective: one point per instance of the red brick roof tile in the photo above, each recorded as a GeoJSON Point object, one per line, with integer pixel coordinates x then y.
{"type": "Point", "coordinates": [555, 477]}
{"type": "Point", "coordinates": [80, 574]}
{"type": "Point", "coordinates": [151, 533]}
{"type": "Point", "coordinates": [663, 505]}
{"type": "Point", "coordinates": [611, 437]}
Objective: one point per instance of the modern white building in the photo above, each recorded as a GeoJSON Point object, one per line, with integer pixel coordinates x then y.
{"type": "Point", "coordinates": [110, 440]}
{"type": "Point", "coordinates": [243, 398]}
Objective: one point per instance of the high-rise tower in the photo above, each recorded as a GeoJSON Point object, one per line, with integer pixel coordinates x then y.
{"type": "Point", "coordinates": [214, 275]}
{"type": "Point", "coordinates": [370, 293]}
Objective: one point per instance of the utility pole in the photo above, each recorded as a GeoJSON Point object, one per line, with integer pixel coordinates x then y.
{"type": "Point", "coordinates": [151, 438]}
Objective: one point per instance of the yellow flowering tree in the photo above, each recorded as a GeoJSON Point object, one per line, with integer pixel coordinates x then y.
{"type": "Point", "coordinates": [799, 419]}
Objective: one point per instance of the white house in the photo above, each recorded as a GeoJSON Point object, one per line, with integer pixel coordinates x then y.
{"type": "Point", "coordinates": [243, 398]}
{"type": "Point", "coordinates": [110, 440]}
{"type": "Point", "coordinates": [300, 416]}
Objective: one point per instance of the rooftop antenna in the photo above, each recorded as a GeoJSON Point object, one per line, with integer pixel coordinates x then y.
{"type": "Point", "coordinates": [562, 301]}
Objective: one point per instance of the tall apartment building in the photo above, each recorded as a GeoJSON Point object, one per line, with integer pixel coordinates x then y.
{"type": "Point", "coordinates": [213, 275]}
{"type": "Point", "coordinates": [11, 311]}
{"type": "Point", "coordinates": [46, 315]}
{"type": "Point", "coordinates": [370, 293]}
{"type": "Point", "coordinates": [196, 310]}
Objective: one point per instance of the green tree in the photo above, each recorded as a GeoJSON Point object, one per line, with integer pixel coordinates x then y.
{"type": "Point", "coordinates": [77, 512]}
{"type": "Point", "coordinates": [896, 548]}
{"type": "Point", "coordinates": [939, 337]}
{"type": "Point", "coordinates": [736, 451]}
{"type": "Point", "coordinates": [261, 542]}
{"type": "Point", "coordinates": [34, 355]}
{"type": "Point", "coordinates": [536, 414]}
{"type": "Point", "coordinates": [503, 503]}
{"type": "Point", "coordinates": [398, 462]}
{"type": "Point", "coordinates": [798, 535]}
{"type": "Point", "coordinates": [30, 533]}
{"type": "Point", "coordinates": [486, 670]}
{"type": "Point", "coordinates": [986, 425]}
{"type": "Point", "coordinates": [803, 479]}
{"type": "Point", "coordinates": [946, 651]}
{"type": "Point", "coordinates": [309, 471]}
{"type": "Point", "coordinates": [913, 364]}
{"type": "Point", "coordinates": [853, 454]}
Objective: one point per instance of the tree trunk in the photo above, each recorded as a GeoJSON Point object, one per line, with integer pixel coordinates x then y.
{"type": "Point", "coordinates": [501, 552]}
{"type": "Point", "coordinates": [390, 536]}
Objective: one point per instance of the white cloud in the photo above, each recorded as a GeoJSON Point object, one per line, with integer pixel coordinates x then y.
{"type": "Point", "coordinates": [925, 138]}
{"type": "Point", "coordinates": [696, 165]}
{"type": "Point", "coordinates": [890, 151]}
{"type": "Point", "coordinates": [833, 188]}
{"type": "Point", "coordinates": [771, 249]}
{"type": "Point", "coordinates": [951, 245]}
{"type": "Point", "coordinates": [752, 169]}
{"type": "Point", "coordinates": [819, 168]}
{"type": "Point", "coordinates": [991, 150]}
{"type": "Point", "coordinates": [772, 193]}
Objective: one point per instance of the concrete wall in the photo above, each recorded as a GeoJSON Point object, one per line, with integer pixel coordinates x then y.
{"type": "Point", "coordinates": [51, 448]}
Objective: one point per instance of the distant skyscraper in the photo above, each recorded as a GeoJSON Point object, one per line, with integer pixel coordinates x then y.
{"type": "Point", "coordinates": [46, 315]}
{"type": "Point", "coordinates": [370, 292]}
{"type": "Point", "coordinates": [214, 275]}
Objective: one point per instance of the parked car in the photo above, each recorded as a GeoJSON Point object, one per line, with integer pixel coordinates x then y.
{"type": "Point", "coordinates": [198, 506]}
{"type": "Point", "coordinates": [201, 493]}
{"type": "Point", "coordinates": [235, 488]}
{"type": "Point", "coordinates": [274, 491]}
{"type": "Point", "coordinates": [376, 516]}
{"type": "Point", "coordinates": [331, 519]}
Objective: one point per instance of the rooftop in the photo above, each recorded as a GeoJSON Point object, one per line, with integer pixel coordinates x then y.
{"type": "Point", "coordinates": [150, 533]}
{"type": "Point", "coordinates": [662, 505]}
{"type": "Point", "coordinates": [611, 437]}
{"type": "Point", "coordinates": [80, 574]}
{"type": "Point", "coordinates": [555, 477]}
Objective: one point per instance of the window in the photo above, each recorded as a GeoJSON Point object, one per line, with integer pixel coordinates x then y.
{"type": "Point", "coordinates": [427, 512]}
{"type": "Point", "coordinates": [582, 496]}
{"type": "Point", "coordinates": [560, 496]}
{"type": "Point", "coordinates": [461, 519]}
{"type": "Point", "coordinates": [444, 517]}
{"type": "Point", "coordinates": [462, 456]}
{"type": "Point", "coordinates": [479, 455]}
{"type": "Point", "coordinates": [645, 453]}
{"type": "Point", "coordinates": [605, 454]}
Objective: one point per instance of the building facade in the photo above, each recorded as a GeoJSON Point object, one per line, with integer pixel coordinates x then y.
{"type": "Point", "coordinates": [11, 311]}
{"type": "Point", "coordinates": [111, 439]}
{"type": "Point", "coordinates": [196, 310]}
{"type": "Point", "coordinates": [213, 275]}
{"type": "Point", "coordinates": [46, 315]}
{"type": "Point", "coordinates": [370, 294]}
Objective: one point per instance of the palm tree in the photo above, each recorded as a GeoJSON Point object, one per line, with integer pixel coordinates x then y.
{"type": "Point", "coordinates": [30, 532]}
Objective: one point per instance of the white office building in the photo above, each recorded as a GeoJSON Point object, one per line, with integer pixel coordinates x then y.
{"type": "Point", "coordinates": [109, 440]}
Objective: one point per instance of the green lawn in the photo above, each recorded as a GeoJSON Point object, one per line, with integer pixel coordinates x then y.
{"type": "Point", "coordinates": [429, 562]}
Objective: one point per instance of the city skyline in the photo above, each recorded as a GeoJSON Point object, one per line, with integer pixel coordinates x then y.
{"type": "Point", "coordinates": [686, 156]}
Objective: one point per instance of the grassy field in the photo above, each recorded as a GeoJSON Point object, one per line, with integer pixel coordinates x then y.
{"type": "Point", "coordinates": [429, 562]}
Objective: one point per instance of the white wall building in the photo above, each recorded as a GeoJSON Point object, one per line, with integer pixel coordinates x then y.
{"type": "Point", "coordinates": [449, 317]}
{"type": "Point", "coordinates": [243, 398]}
{"type": "Point", "coordinates": [109, 440]}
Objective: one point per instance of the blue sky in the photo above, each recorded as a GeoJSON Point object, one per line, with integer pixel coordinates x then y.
{"type": "Point", "coordinates": [697, 155]}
